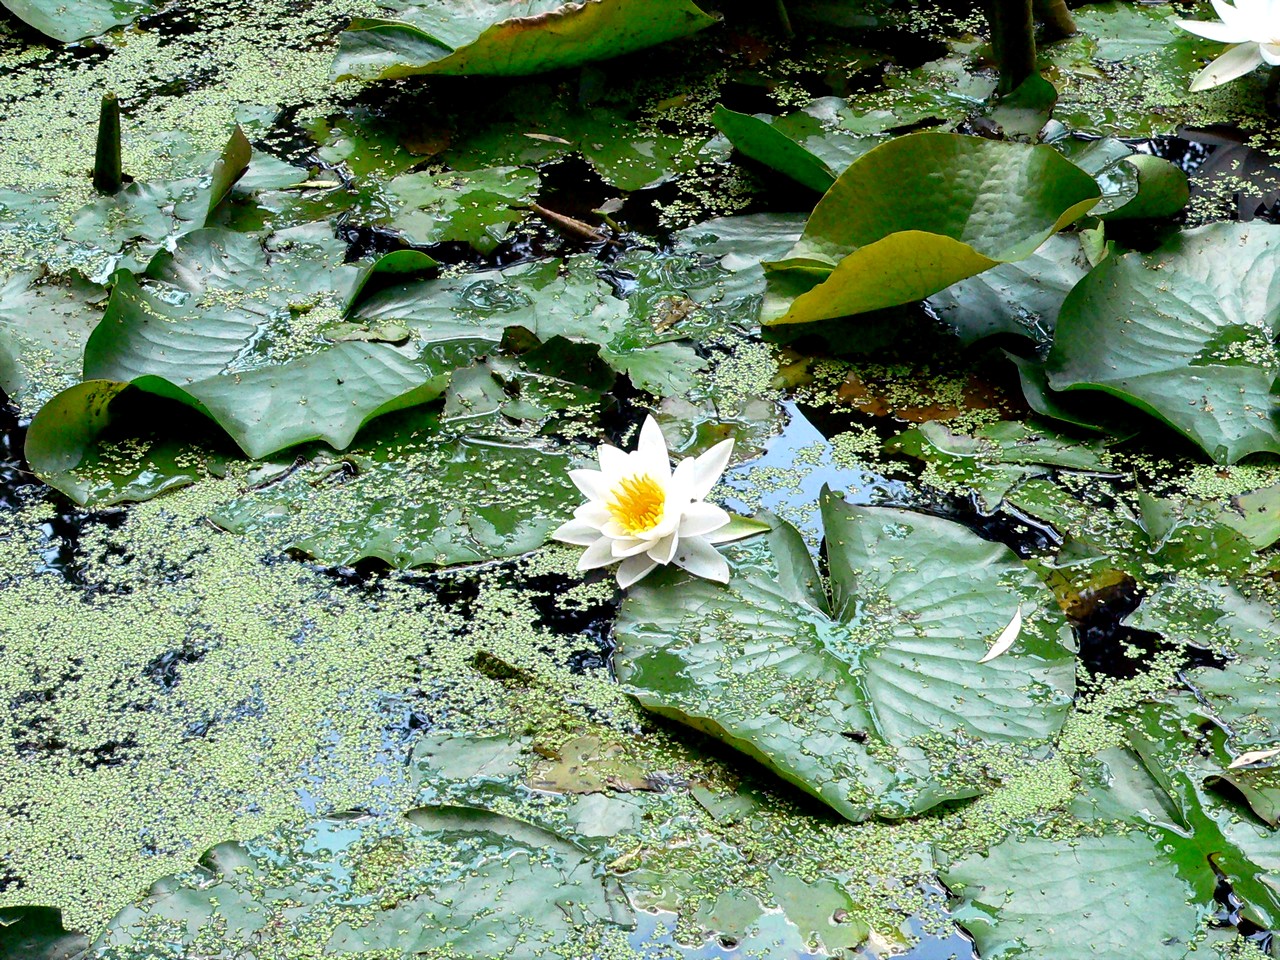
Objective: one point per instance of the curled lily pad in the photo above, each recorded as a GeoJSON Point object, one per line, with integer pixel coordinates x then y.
{"type": "Point", "coordinates": [802, 145]}
{"type": "Point", "coordinates": [917, 214]}
{"type": "Point", "coordinates": [439, 879]}
{"type": "Point", "coordinates": [509, 37]}
{"type": "Point", "coordinates": [239, 333]}
{"type": "Point", "coordinates": [1185, 334]}
{"type": "Point", "coordinates": [44, 323]}
{"type": "Point", "coordinates": [129, 227]}
{"type": "Point", "coordinates": [864, 690]}
{"type": "Point", "coordinates": [75, 21]}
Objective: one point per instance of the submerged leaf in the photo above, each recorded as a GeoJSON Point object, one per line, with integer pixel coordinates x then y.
{"type": "Point", "coordinates": [441, 879]}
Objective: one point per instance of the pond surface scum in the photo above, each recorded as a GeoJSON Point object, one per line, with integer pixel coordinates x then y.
{"type": "Point", "coordinates": [292, 664]}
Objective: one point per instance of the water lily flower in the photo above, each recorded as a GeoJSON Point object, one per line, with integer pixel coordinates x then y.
{"type": "Point", "coordinates": [1252, 25]}
{"type": "Point", "coordinates": [641, 512]}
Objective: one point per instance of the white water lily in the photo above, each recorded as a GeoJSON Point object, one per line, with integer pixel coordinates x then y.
{"type": "Point", "coordinates": [1252, 25]}
{"type": "Point", "coordinates": [641, 512]}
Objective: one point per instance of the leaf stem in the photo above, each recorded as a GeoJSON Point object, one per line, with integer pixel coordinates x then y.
{"type": "Point", "coordinates": [107, 174]}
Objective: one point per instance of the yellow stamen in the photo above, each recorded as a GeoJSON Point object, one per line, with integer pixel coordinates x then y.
{"type": "Point", "coordinates": [637, 503]}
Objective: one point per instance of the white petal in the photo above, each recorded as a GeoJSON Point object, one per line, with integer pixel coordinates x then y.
{"type": "Point", "coordinates": [577, 532]}
{"type": "Point", "coordinates": [702, 560]}
{"type": "Point", "coordinates": [613, 462]}
{"type": "Point", "coordinates": [591, 483]}
{"type": "Point", "coordinates": [593, 512]}
{"type": "Point", "coordinates": [599, 554]}
{"type": "Point", "coordinates": [629, 547]}
{"type": "Point", "coordinates": [633, 569]}
{"type": "Point", "coordinates": [1006, 638]}
{"type": "Point", "coordinates": [664, 549]}
{"type": "Point", "coordinates": [702, 518]}
{"type": "Point", "coordinates": [1226, 12]}
{"type": "Point", "coordinates": [1270, 53]}
{"type": "Point", "coordinates": [652, 442]}
{"type": "Point", "coordinates": [708, 467]}
{"type": "Point", "coordinates": [1222, 32]}
{"type": "Point", "coordinates": [1236, 62]}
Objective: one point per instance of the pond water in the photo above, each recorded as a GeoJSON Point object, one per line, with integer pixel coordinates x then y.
{"type": "Point", "coordinates": [293, 664]}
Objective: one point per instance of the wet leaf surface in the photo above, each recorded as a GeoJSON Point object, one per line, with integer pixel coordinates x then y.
{"type": "Point", "coordinates": [509, 39]}
{"type": "Point", "coordinates": [827, 705]}
{"type": "Point", "coordinates": [1196, 345]}
{"type": "Point", "coordinates": [879, 237]}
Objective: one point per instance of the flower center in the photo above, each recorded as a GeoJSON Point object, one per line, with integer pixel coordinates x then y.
{"type": "Point", "coordinates": [637, 503]}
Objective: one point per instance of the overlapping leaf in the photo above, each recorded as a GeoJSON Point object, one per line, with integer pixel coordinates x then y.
{"type": "Point", "coordinates": [448, 879]}
{"type": "Point", "coordinates": [917, 214]}
{"type": "Point", "coordinates": [256, 340]}
{"type": "Point", "coordinates": [861, 692]}
{"type": "Point", "coordinates": [1185, 334]}
{"type": "Point", "coordinates": [509, 37]}
{"type": "Point", "coordinates": [79, 19]}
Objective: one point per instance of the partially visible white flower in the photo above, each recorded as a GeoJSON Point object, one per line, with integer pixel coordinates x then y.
{"type": "Point", "coordinates": [1252, 25]}
{"type": "Point", "coordinates": [641, 512]}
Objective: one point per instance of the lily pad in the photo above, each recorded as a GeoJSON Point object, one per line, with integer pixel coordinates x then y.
{"type": "Point", "coordinates": [550, 298]}
{"type": "Point", "coordinates": [239, 333]}
{"type": "Point", "coordinates": [1185, 334]}
{"type": "Point", "coordinates": [1021, 298]}
{"type": "Point", "coordinates": [864, 691]}
{"type": "Point", "coordinates": [69, 20]}
{"type": "Point", "coordinates": [423, 488]}
{"type": "Point", "coordinates": [508, 37]}
{"type": "Point", "coordinates": [808, 146]}
{"type": "Point", "coordinates": [995, 458]}
{"type": "Point", "coordinates": [447, 879]}
{"type": "Point", "coordinates": [44, 323]}
{"type": "Point", "coordinates": [476, 207]}
{"type": "Point", "coordinates": [1080, 898]}
{"type": "Point", "coordinates": [918, 214]}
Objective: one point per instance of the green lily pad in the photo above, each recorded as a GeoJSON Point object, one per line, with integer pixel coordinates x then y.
{"type": "Point", "coordinates": [1185, 334]}
{"type": "Point", "coordinates": [994, 459]}
{"type": "Point", "coordinates": [1021, 298]}
{"type": "Point", "coordinates": [68, 21]}
{"type": "Point", "coordinates": [863, 692]}
{"type": "Point", "coordinates": [918, 214]}
{"type": "Point", "coordinates": [1134, 186]}
{"type": "Point", "coordinates": [447, 879]}
{"type": "Point", "coordinates": [1080, 898]}
{"type": "Point", "coordinates": [537, 122]}
{"type": "Point", "coordinates": [476, 207]}
{"type": "Point", "coordinates": [44, 323]}
{"type": "Point", "coordinates": [240, 333]}
{"type": "Point", "coordinates": [808, 146]}
{"type": "Point", "coordinates": [550, 299]}
{"type": "Point", "coordinates": [508, 37]}
{"type": "Point", "coordinates": [423, 488]}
